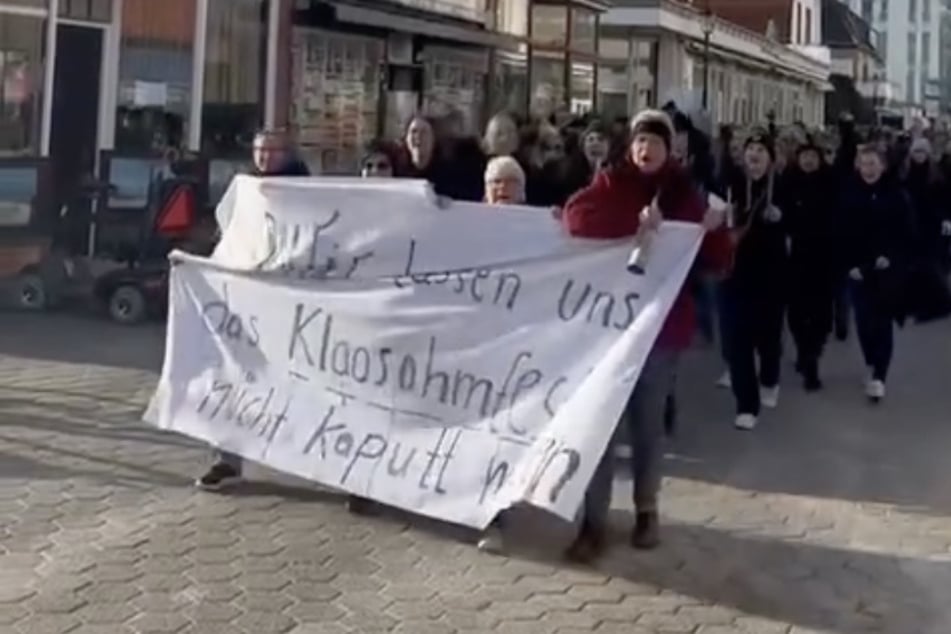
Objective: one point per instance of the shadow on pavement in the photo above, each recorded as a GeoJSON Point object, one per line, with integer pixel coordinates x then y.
{"type": "Point", "coordinates": [845, 591]}
{"type": "Point", "coordinates": [82, 339]}
{"type": "Point", "coordinates": [831, 445]}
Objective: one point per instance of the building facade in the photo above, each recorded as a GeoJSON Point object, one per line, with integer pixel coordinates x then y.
{"type": "Point", "coordinates": [96, 96]}
{"type": "Point", "coordinates": [857, 71]}
{"type": "Point", "coordinates": [661, 50]}
{"type": "Point", "coordinates": [909, 39]}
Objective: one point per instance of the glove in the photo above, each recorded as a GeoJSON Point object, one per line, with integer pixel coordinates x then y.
{"type": "Point", "coordinates": [772, 214]}
{"type": "Point", "coordinates": [882, 263]}
{"type": "Point", "coordinates": [855, 275]}
{"type": "Point", "coordinates": [946, 228]}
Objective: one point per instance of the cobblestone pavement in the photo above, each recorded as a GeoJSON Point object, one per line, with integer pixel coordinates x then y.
{"type": "Point", "coordinates": [832, 517]}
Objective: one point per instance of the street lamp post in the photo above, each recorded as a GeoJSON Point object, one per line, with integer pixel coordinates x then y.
{"type": "Point", "coordinates": [709, 21]}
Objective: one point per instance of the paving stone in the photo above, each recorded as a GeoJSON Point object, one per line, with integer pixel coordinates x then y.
{"type": "Point", "coordinates": [764, 533]}
{"type": "Point", "coordinates": [158, 623]}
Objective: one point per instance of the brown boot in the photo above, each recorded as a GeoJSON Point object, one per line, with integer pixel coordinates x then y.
{"type": "Point", "coordinates": [646, 534]}
{"type": "Point", "coordinates": [588, 546]}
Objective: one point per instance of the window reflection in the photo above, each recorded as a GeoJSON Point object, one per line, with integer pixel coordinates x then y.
{"type": "Point", "coordinates": [550, 24]}
{"type": "Point", "coordinates": [234, 76]}
{"type": "Point", "coordinates": [511, 16]}
{"type": "Point", "coordinates": [583, 24]}
{"type": "Point", "coordinates": [582, 88]}
{"type": "Point", "coordinates": [511, 76]}
{"type": "Point", "coordinates": [131, 179]}
{"type": "Point", "coordinates": [155, 71]}
{"type": "Point", "coordinates": [17, 190]}
{"type": "Point", "coordinates": [21, 78]}
{"type": "Point", "coordinates": [548, 84]}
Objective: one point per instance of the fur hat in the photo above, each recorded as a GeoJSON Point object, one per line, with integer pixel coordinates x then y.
{"type": "Point", "coordinates": [654, 122]}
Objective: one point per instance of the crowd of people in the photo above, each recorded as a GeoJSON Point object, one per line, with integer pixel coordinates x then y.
{"type": "Point", "coordinates": [818, 229]}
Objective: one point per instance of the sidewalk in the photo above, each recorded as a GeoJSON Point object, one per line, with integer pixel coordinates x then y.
{"type": "Point", "coordinates": [831, 517]}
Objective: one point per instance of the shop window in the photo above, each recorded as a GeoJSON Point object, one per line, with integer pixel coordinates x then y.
{"type": "Point", "coordinates": [335, 95]}
{"type": "Point", "coordinates": [511, 16]}
{"type": "Point", "coordinates": [583, 27]}
{"type": "Point", "coordinates": [614, 48]}
{"type": "Point", "coordinates": [511, 89]}
{"type": "Point", "coordinates": [550, 24]}
{"type": "Point", "coordinates": [235, 59]}
{"type": "Point", "coordinates": [21, 79]}
{"type": "Point", "coordinates": [155, 75]}
{"type": "Point", "coordinates": [612, 87]}
{"type": "Point", "coordinates": [454, 85]}
{"type": "Point", "coordinates": [93, 10]}
{"type": "Point", "coordinates": [18, 192]}
{"type": "Point", "coordinates": [582, 88]}
{"type": "Point", "coordinates": [548, 83]}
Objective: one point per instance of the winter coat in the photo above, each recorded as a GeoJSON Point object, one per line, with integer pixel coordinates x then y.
{"type": "Point", "coordinates": [610, 208]}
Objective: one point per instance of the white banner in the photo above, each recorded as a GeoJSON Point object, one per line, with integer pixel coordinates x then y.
{"type": "Point", "coordinates": [451, 361]}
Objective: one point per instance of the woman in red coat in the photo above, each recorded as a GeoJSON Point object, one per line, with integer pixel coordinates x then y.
{"type": "Point", "coordinates": [617, 204]}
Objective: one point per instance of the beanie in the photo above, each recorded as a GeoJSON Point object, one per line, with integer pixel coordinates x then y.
{"type": "Point", "coordinates": [761, 137]}
{"type": "Point", "coordinates": [653, 122]}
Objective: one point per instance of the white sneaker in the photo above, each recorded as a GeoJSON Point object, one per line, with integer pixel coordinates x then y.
{"type": "Point", "coordinates": [746, 422]}
{"type": "Point", "coordinates": [725, 382]}
{"type": "Point", "coordinates": [875, 390]}
{"type": "Point", "coordinates": [769, 397]}
{"type": "Point", "coordinates": [492, 541]}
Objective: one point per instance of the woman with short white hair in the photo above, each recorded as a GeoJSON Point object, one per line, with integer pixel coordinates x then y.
{"type": "Point", "coordinates": [504, 182]}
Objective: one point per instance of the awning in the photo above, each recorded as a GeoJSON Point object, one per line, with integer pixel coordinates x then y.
{"type": "Point", "coordinates": [431, 28]}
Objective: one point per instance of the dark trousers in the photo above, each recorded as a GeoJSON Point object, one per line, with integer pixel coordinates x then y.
{"type": "Point", "coordinates": [724, 310]}
{"type": "Point", "coordinates": [754, 322]}
{"type": "Point", "coordinates": [875, 328]}
{"type": "Point", "coordinates": [641, 424]}
{"type": "Point", "coordinates": [810, 320]}
{"type": "Point", "coordinates": [841, 307]}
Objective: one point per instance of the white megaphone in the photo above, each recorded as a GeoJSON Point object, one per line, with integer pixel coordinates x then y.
{"type": "Point", "coordinates": [637, 263]}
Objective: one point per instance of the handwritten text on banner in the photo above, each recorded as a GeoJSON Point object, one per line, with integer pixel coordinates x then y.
{"type": "Point", "coordinates": [449, 361]}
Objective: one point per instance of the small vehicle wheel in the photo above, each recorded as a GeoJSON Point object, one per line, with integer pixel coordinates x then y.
{"type": "Point", "coordinates": [30, 292]}
{"type": "Point", "coordinates": [127, 305]}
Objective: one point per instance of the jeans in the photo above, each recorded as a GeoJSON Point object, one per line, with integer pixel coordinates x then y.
{"type": "Point", "coordinates": [232, 460]}
{"type": "Point", "coordinates": [755, 326]}
{"type": "Point", "coordinates": [643, 421]}
{"type": "Point", "coordinates": [875, 329]}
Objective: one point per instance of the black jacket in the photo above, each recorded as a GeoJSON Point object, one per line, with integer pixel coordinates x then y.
{"type": "Point", "coordinates": [761, 256]}
{"type": "Point", "coordinates": [877, 222]}
{"type": "Point", "coordinates": [812, 225]}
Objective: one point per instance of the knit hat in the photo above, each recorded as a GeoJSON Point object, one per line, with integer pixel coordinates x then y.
{"type": "Point", "coordinates": [654, 122]}
{"type": "Point", "coordinates": [761, 137]}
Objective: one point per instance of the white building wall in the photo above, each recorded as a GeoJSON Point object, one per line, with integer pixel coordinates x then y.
{"type": "Point", "coordinates": [909, 37]}
{"type": "Point", "coordinates": [806, 22]}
